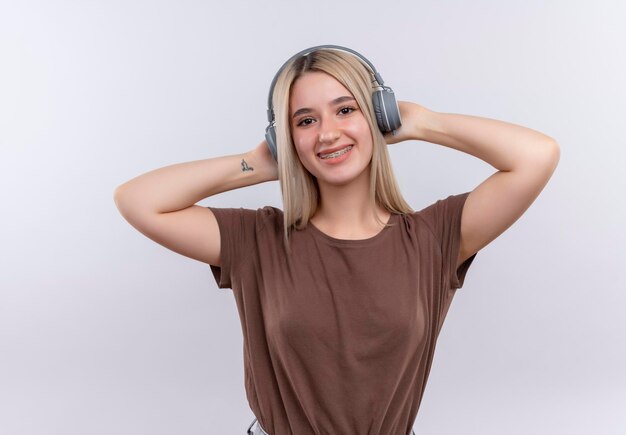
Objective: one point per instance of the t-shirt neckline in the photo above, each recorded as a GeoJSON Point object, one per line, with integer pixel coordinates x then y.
{"type": "Point", "coordinates": [354, 242]}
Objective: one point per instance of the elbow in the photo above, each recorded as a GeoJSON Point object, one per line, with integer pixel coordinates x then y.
{"type": "Point", "coordinates": [117, 196]}
{"type": "Point", "coordinates": [552, 157]}
{"type": "Point", "coordinates": [117, 192]}
{"type": "Point", "coordinates": [555, 152]}
{"type": "Point", "coordinates": [544, 159]}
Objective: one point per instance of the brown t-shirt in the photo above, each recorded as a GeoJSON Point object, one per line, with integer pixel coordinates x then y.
{"type": "Point", "coordinates": [339, 338]}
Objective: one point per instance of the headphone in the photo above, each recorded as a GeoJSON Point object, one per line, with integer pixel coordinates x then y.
{"type": "Point", "coordinates": [383, 99]}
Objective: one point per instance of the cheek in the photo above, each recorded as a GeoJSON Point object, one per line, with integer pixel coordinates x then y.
{"type": "Point", "coordinates": [302, 150]}
{"type": "Point", "coordinates": [305, 160]}
{"type": "Point", "coordinates": [303, 143]}
{"type": "Point", "coordinates": [360, 128]}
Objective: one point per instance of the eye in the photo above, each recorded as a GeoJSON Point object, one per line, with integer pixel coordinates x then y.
{"type": "Point", "coordinates": [302, 122]}
{"type": "Point", "coordinates": [346, 110]}
{"type": "Point", "coordinates": [352, 109]}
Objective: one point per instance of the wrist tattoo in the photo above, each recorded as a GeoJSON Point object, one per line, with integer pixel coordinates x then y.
{"type": "Point", "coordinates": [245, 167]}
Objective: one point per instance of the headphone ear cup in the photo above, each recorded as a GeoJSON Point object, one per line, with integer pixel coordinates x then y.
{"type": "Point", "coordinates": [386, 110]}
{"type": "Point", "coordinates": [270, 138]}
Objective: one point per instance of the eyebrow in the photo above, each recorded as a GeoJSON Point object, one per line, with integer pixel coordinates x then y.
{"type": "Point", "coordinates": [332, 103]}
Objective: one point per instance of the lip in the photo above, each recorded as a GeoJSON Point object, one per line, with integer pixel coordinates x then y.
{"type": "Point", "coordinates": [337, 160]}
{"type": "Point", "coordinates": [332, 150]}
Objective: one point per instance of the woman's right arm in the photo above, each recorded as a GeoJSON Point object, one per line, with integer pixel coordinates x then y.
{"type": "Point", "coordinates": [161, 203]}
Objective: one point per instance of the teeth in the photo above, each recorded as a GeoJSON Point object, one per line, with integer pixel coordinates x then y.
{"type": "Point", "coordinates": [336, 153]}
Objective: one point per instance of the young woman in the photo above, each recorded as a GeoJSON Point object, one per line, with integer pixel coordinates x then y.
{"type": "Point", "coordinates": [342, 294]}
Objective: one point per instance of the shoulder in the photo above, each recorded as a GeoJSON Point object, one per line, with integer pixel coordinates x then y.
{"type": "Point", "coordinates": [440, 208]}
{"type": "Point", "coordinates": [440, 213]}
{"type": "Point", "coordinates": [269, 210]}
{"type": "Point", "coordinates": [269, 214]}
{"type": "Point", "coordinates": [269, 217]}
{"type": "Point", "coordinates": [248, 217]}
{"type": "Point", "coordinates": [443, 203]}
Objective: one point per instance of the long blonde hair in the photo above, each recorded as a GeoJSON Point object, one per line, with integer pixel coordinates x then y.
{"type": "Point", "coordinates": [299, 188]}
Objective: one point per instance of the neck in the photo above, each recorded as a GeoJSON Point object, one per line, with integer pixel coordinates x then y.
{"type": "Point", "coordinates": [348, 210]}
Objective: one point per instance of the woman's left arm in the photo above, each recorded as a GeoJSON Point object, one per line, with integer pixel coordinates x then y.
{"type": "Point", "coordinates": [525, 159]}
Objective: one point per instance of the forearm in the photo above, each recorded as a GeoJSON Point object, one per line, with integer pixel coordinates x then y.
{"type": "Point", "coordinates": [503, 145]}
{"type": "Point", "coordinates": [182, 185]}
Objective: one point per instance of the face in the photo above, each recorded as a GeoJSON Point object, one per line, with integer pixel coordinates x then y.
{"type": "Point", "coordinates": [328, 118]}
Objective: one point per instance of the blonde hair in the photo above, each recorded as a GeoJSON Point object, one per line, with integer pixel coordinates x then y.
{"type": "Point", "coordinates": [299, 188]}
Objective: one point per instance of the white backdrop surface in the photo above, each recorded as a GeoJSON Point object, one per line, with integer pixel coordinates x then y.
{"type": "Point", "coordinates": [103, 331]}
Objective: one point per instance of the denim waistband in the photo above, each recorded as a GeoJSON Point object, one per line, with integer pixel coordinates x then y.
{"type": "Point", "coordinates": [256, 429]}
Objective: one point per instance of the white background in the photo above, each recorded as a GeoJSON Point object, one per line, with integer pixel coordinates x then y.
{"type": "Point", "coordinates": [103, 331]}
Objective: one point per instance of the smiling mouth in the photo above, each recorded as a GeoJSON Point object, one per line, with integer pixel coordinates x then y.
{"type": "Point", "coordinates": [336, 153]}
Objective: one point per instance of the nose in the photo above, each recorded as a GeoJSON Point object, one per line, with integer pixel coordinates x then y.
{"type": "Point", "coordinates": [328, 132]}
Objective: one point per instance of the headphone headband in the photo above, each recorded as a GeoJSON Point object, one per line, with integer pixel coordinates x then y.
{"type": "Point", "coordinates": [270, 107]}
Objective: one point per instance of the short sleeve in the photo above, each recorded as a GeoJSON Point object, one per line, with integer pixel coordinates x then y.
{"type": "Point", "coordinates": [444, 219]}
{"type": "Point", "coordinates": [237, 235]}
